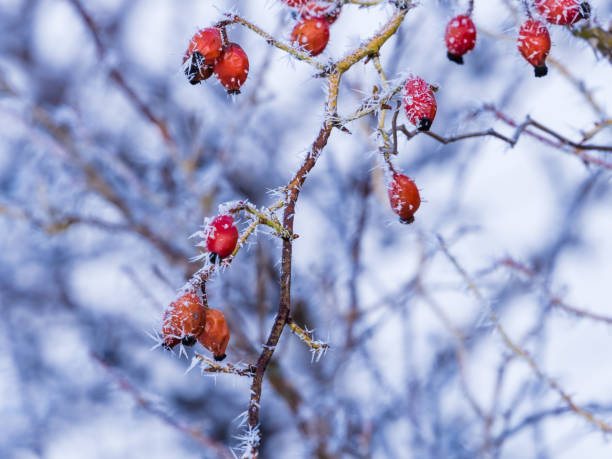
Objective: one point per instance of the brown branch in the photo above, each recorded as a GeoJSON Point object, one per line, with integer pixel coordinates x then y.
{"type": "Point", "coordinates": [518, 351]}
{"type": "Point", "coordinates": [318, 348]}
{"type": "Point", "coordinates": [210, 366]}
{"type": "Point", "coordinates": [292, 192]}
{"type": "Point", "coordinates": [196, 434]}
{"type": "Point", "coordinates": [561, 141]}
{"type": "Point", "coordinates": [119, 79]}
{"type": "Point", "coordinates": [288, 48]}
{"type": "Point", "coordinates": [598, 38]}
{"type": "Point", "coordinates": [555, 301]}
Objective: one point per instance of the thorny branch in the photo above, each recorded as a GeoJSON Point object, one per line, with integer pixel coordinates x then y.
{"type": "Point", "coordinates": [119, 79]}
{"type": "Point", "coordinates": [211, 366]}
{"type": "Point", "coordinates": [292, 192]}
{"type": "Point", "coordinates": [378, 102]}
{"type": "Point", "coordinates": [559, 141]}
{"type": "Point", "coordinates": [517, 350]}
{"type": "Point", "coordinates": [554, 300]}
{"type": "Point", "coordinates": [286, 47]}
{"type": "Point", "coordinates": [317, 347]}
{"type": "Point", "coordinates": [141, 401]}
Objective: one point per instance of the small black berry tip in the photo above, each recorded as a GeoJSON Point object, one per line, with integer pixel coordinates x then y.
{"type": "Point", "coordinates": [540, 71]}
{"type": "Point", "coordinates": [585, 10]}
{"type": "Point", "coordinates": [232, 92]}
{"type": "Point", "coordinates": [424, 124]}
{"type": "Point", "coordinates": [407, 221]}
{"type": "Point", "coordinates": [218, 358]}
{"type": "Point", "coordinates": [166, 347]}
{"type": "Point", "coordinates": [213, 257]}
{"type": "Point", "coordinates": [189, 340]}
{"type": "Point", "coordinates": [196, 71]}
{"type": "Point", "coordinates": [455, 58]}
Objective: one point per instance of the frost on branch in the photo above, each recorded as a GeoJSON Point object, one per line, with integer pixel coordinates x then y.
{"type": "Point", "coordinates": [110, 158]}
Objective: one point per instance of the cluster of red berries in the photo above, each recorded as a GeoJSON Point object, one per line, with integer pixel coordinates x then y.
{"type": "Point", "coordinates": [533, 40]}
{"type": "Point", "coordinates": [187, 319]}
{"type": "Point", "coordinates": [210, 53]}
{"type": "Point", "coordinates": [311, 33]}
{"type": "Point", "coordinates": [420, 106]}
{"type": "Point", "coordinates": [419, 99]}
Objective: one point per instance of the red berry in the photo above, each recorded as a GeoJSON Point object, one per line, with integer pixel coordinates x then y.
{"type": "Point", "coordinates": [563, 12]}
{"type": "Point", "coordinates": [204, 49]}
{"type": "Point", "coordinates": [295, 3]}
{"type": "Point", "coordinates": [319, 9]}
{"type": "Point", "coordinates": [419, 103]}
{"type": "Point", "coordinates": [222, 236]}
{"type": "Point", "coordinates": [184, 320]}
{"type": "Point", "coordinates": [208, 43]}
{"type": "Point", "coordinates": [216, 334]}
{"type": "Point", "coordinates": [534, 45]}
{"type": "Point", "coordinates": [460, 37]}
{"type": "Point", "coordinates": [232, 68]}
{"type": "Point", "coordinates": [311, 34]}
{"type": "Point", "coordinates": [404, 197]}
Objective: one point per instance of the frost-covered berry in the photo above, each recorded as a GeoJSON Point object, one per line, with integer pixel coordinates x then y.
{"type": "Point", "coordinates": [232, 68]}
{"type": "Point", "coordinates": [460, 37]}
{"type": "Point", "coordinates": [320, 9]}
{"type": "Point", "coordinates": [184, 321]}
{"type": "Point", "coordinates": [404, 197]}
{"type": "Point", "coordinates": [534, 45]}
{"type": "Point", "coordinates": [203, 51]}
{"type": "Point", "coordinates": [295, 3]}
{"type": "Point", "coordinates": [563, 12]}
{"type": "Point", "coordinates": [419, 103]}
{"type": "Point", "coordinates": [216, 334]}
{"type": "Point", "coordinates": [311, 34]}
{"type": "Point", "coordinates": [221, 236]}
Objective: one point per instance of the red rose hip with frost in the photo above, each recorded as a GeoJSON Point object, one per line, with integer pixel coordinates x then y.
{"type": "Point", "coordinates": [203, 51]}
{"type": "Point", "coordinates": [563, 12]}
{"type": "Point", "coordinates": [232, 68]}
{"type": "Point", "coordinates": [311, 34]}
{"type": "Point", "coordinates": [534, 45]}
{"type": "Point", "coordinates": [320, 9]}
{"type": "Point", "coordinates": [221, 237]}
{"type": "Point", "coordinates": [404, 197]}
{"type": "Point", "coordinates": [216, 334]}
{"type": "Point", "coordinates": [184, 321]}
{"type": "Point", "coordinates": [460, 37]}
{"type": "Point", "coordinates": [419, 103]}
{"type": "Point", "coordinates": [295, 3]}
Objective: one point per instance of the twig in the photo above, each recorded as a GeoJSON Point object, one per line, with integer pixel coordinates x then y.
{"type": "Point", "coordinates": [301, 55]}
{"type": "Point", "coordinates": [292, 192]}
{"type": "Point", "coordinates": [578, 148]}
{"type": "Point", "coordinates": [210, 366]}
{"type": "Point", "coordinates": [196, 434]}
{"type": "Point", "coordinates": [518, 351]}
{"type": "Point", "coordinates": [318, 347]}
{"type": "Point", "coordinates": [116, 75]}
{"type": "Point", "coordinates": [554, 300]}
